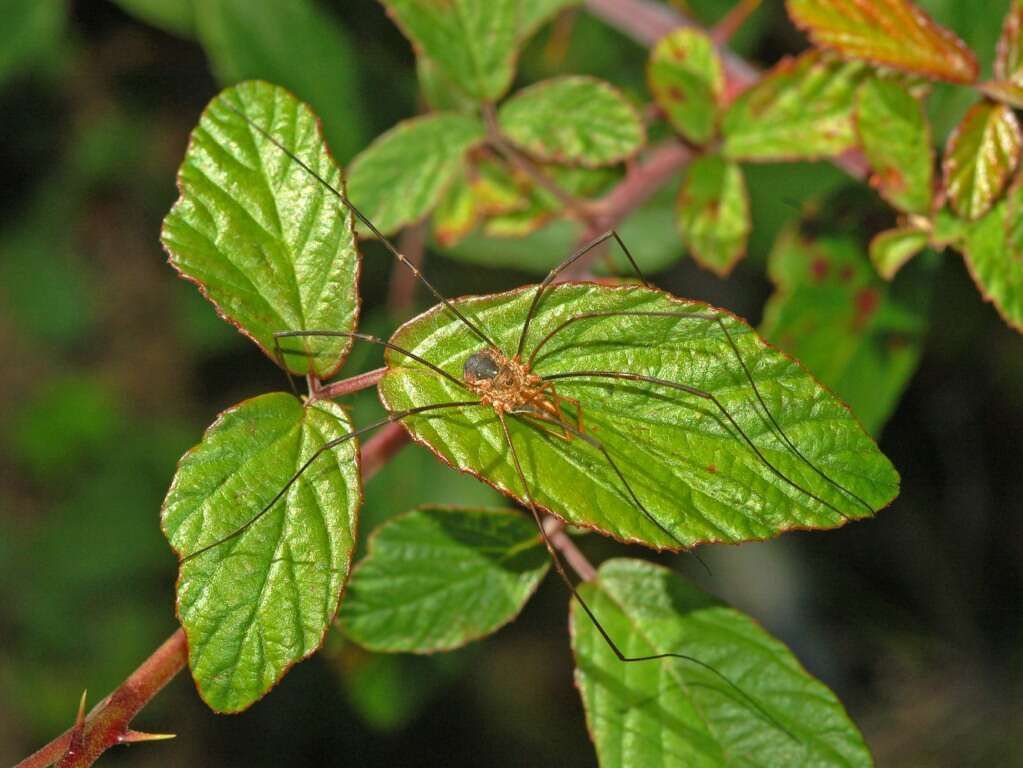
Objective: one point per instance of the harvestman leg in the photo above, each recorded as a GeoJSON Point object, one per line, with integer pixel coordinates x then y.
{"type": "Point", "coordinates": [773, 424]}
{"type": "Point", "coordinates": [560, 568]}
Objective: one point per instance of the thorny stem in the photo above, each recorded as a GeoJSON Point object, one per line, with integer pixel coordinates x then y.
{"type": "Point", "coordinates": [109, 722]}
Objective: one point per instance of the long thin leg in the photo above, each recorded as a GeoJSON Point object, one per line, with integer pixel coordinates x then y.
{"type": "Point", "coordinates": [396, 416]}
{"type": "Point", "coordinates": [773, 422]}
{"type": "Point", "coordinates": [717, 403]}
{"type": "Point", "coordinates": [337, 193]}
{"type": "Point", "coordinates": [561, 268]}
{"type": "Point", "coordinates": [560, 568]}
{"type": "Point", "coordinates": [278, 335]}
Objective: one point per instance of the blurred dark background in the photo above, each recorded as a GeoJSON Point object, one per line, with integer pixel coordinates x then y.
{"type": "Point", "coordinates": [113, 367]}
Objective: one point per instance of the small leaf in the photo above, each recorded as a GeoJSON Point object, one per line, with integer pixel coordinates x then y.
{"type": "Point", "coordinates": [696, 477]}
{"type": "Point", "coordinates": [892, 33]}
{"type": "Point", "coordinates": [401, 176]}
{"type": "Point", "coordinates": [257, 603]}
{"type": "Point", "coordinates": [992, 251]}
{"type": "Point", "coordinates": [574, 120]}
{"type": "Point", "coordinates": [802, 109]}
{"type": "Point", "coordinates": [891, 249]}
{"type": "Point", "coordinates": [896, 139]}
{"type": "Point", "coordinates": [295, 44]}
{"type": "Point", "coordinates": [980, 157]}
{"type": "Point", "coordinates": [685, 76]}
{"type": "Point", "coordinates": [859, 335]}
{"type": "Point", "coordinates": [674, 712]}
{"type": "Point", "coordinates": [264, 240]}
{"type": "Point", "coordinates": [713, 213]}
{"type": "Point", "coordinates": [437, 578]}
{"type": "Point", "coordinates": [1009, 59]}
{"type": "Point", "coordinates": [1005, 91]}
{"type": "Point", "coordinates": [474, 41]}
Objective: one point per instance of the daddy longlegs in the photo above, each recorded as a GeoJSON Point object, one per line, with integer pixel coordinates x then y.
{"type": "Point", "coordinates": [507, 385]}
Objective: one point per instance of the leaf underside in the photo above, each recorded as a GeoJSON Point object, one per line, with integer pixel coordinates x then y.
{"type": "Point", "coordinates": [894, 33]}
{"type": "Point", "coordinates": [257, 603]}
{"type": "Point", "coordinates": [437, 578]}
{"type": "Point", "coordinates": [673, 712]}
{"type": "Point", "coordinates": [682, 457]}
{"type": "Point", "coordinates": [263, 240]}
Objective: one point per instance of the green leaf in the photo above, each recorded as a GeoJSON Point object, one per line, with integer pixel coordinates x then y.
{"type": "Point", "coordinates": [685, 461]}
{"type": "Point", "coordinates": [174, 16]}
{"type": "Point", "coordinates": [401, 176]}
{"type": "Point", "coordinates": [892, 33]}
{"type": "Point", "coordinates": [264, 240]}
{"type": "Point", "coordinates": [980, 157]}
{"type": "Point", "coordinates": [896, 139]}
{"type": "Point", "coordinates": [295, 44]}
{"type": "Point", "coordinates": [802, 109]}
{"type": "Point", "coordinates": [535, 13]}
{"type": "Point", "coordinates": [713, 213]}
{"type": "Point", "coordinates": [674, 712]}
{"type": "Point", "coordinates": [474, 41]}
{"type": "Point", "coordinates": [859, 335]}
{"type": "Point", "coordinates": [574, 120]}
{"type": "Point", "coordinates": [685, 77]}
{"type": "Point", "coordinates": [29, 33]}
{"type": "Point", "coordinates": [437, 578]}
{"type": "Point", "coordinates": [992, 251]}
{"type": "Point", "coordinates": [891, 249]}
{"type": "Point", "coordinates": [257, 603]}
{"type": "Point", "coordinates": [439, 90]}
{"type": "Point", "coordinates": [1009, 59]}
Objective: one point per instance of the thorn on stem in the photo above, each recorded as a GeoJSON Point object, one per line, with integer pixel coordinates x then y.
{"type": "Point", "coordinates": [132, 737]}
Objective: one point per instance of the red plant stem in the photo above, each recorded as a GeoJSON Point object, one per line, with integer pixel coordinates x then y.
{"type": "Point", "coordinates": [349, 385]}
{"type": "Point", "coordinates": [732, 21]}
{"type": "Point", "coordinates": [381, 448]}
{"type": "Point", "coordinates": [401, 292]}
{"type": "Point", "coordinates": [555, 530]}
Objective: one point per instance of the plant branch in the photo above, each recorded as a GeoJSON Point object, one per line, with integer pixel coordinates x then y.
{"type": "Point", "coordinates": [349, 385]}
{"type": "Point", "coordinates": [555, 530]}
{"type": "Point", "coordinates": [401, 292]}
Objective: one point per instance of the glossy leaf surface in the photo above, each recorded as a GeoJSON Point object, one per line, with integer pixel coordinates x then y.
{"type": "Point", "coordinates": [802, 109]}
{"type": "Point", "coordinates": [263, 240]}
{"type": "Point", "coordinates": [896, 139]}
{"type": "Point", "coordinates": [682, 457]}
{"type": "Point", "coordinates": [437, 578]}
{"type": "Point", "coordinates": [673, 712]}
{"type": "Point", "coordinates": [685, 77]}
{"type": "Point", "coordinates": [713, 213]}
{"type": "Point", "coordinates": [474, 41]}
{"type": "Point", "coordinates": [402, 175]}
{"type": "Point", "coordinates": [257, 603]}
{"type": "Point", "coordinates": [574, 120]}
{"type": "Point", "coordinates": [980, 157]}
{"type": "Point", "coordinates": [894, 33]}
{"type": "Point", "coordinates": [849, 327]}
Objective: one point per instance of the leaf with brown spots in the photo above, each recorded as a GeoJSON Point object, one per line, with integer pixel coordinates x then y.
{"type": "Point", "coordinates": [686, 79]}
{"type": "Point", "coordinates": [713, 213]}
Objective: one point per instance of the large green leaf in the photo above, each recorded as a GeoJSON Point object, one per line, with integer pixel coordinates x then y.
{"type": "Point", "coordinates": [713, 213]}
{"type": "Point", "coordinates": [992, 252]}
{"type": "Point", "coordinates": [401, 176]}
{"type": "Point", "coordinates": [894, 33]}
{"type": "Point", "coordinates": [859, 335]}
{"type": "Point", "coordinates": [474, 41]}
{"type": "Point", "coordinates": [437, 578]}
{"type": "Point", "coordinates": [673, 712]}
{"type": "Point", "coordinates": [896, 139]}
{"type": "Point", "coordinates": [980, 157]}
{"type": "Point", "coordinates": [573, 119]}
{"type": "Point", "coordinates": [297, 45]}
{"type": "Point", "coordinates": [685, 76]}
{"type": "Point", "coordinates": [684, 459]}
{"type": "Point", "coordinates": [802, 109]}
{"type": "Point", "coordinates": [264, 240]}
{"type": "Point", "coordinates": [255, 604]}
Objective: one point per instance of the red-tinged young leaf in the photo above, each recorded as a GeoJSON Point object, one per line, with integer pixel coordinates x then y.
{"type": "Point", "coordinates": [802, 109]}
{"type": "Point", "coordinates": [892, 249]}
{"type": "Point", "coordinates": [1005, 91]}
{"type": "Point", "coordinates": [991, 248]}
{"type": "Point", "coordinates": [686, 79]}
{"type": "Point", "coordinates": [1009, 58]}
{"type": "Point", "coordinates": [896, 139]}
{"type": "Point", "coordinates": [713, 213]}
{"type": "Point", "coordinates": [980, 157]}
{"type": "Point", "coordinates": [893, 33]}
{"type": "Point", "coordinates": [575, 120]}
